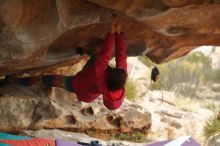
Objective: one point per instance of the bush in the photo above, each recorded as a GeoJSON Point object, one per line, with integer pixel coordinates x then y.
{"type": "Point", "coordinates": [134, 137]}
{"type": "Point", "coordinates": [131, 90]}
{"type": "Point", "coordinates": [213, 107]}
{"type": "Point", "coordinates": [212, 127]}
{"type": "Point", "coordinates": [155, 85]}
{"type": "Point", "coordinates": [214, 76]}
{"type": "Point", "coordinates": [190, 69]}
{"type": "Point", "coordinates": [185, 75]}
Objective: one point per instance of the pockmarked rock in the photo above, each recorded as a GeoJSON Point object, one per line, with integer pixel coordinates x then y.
{"type": "Point", "coordinates": [36, 107]}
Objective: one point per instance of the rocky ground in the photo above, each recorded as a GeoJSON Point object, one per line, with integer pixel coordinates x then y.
{"type": "Point", "coordinates": [168, 122]}
{"type": "Point", "coordinates": [27, 108]}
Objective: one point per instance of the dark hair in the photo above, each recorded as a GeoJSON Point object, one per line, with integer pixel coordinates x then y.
{"type": "Point", "coordinates": [116, 78]}
{"type": "Point", "coordinates": [154, 73]}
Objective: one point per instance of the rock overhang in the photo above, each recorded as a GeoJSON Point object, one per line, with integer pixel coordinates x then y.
{"type": "Point", "coordinates": [163, 29]}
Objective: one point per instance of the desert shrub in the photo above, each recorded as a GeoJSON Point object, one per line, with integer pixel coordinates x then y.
{"type": "Point", "coordinates": [185, 75]}
{"type": "Point", "coordinates": [190, 69]}
{"type": "Point", "coordinates": [214, 76]}
{"type": "Point", "coordinates": [212, 127]}
{"type": "Point", "coordinates": [131, 90]}
{"type": "Point", "coordinates": [155, 85]}
{"type": "Point", "coordinates": [213, 107]}
{"type": "Point", "coordinates": [134, 137]}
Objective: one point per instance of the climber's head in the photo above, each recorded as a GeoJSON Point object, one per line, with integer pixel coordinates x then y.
{"type": "Point", "coordinates": [116, 78]}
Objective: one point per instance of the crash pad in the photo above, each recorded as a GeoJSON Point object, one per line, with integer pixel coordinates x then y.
{"type": "Point", "coordinates": [12, 137]}
{"type": "Point", "coordinates": [60, 142]}
{"type": "Point", "coordinates": [29, 142]}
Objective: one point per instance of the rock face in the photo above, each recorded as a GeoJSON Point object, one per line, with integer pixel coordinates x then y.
{"type": "Point", "coordinates": [34, 108]}
{"type": "Point", "coordinates": [37, 34]}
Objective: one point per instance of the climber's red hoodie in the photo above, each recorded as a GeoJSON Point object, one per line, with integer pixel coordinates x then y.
{"type": "Point", "coordinates": [89, 83]}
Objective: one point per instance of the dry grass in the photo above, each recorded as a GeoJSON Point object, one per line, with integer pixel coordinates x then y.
{"type": "Point", "coordinates": [131, 90]}
{"type": "Point", "coordinates": [187, 103]}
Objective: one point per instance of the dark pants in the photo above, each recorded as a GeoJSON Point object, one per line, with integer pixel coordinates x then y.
{"type": "Point", "coordinates": [55, 80]}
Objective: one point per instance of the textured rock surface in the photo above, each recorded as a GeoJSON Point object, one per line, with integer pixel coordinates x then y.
{"type": "Point", "coordinates": [40, 34]}
{"type": "Point", "coordinates": [33, 108]}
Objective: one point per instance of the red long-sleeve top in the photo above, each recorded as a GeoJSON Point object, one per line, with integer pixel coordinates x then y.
{"type": "Point", "coordinates": [89, 83]}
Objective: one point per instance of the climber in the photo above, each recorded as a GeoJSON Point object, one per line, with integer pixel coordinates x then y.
{"type": "Point", "coordinates": [96, 77]}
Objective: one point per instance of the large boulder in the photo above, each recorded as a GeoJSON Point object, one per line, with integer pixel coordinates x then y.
{"type": "Point", "coordinates": [36, 107]}
{"type": "Point", "coordinates": [37, 34]}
